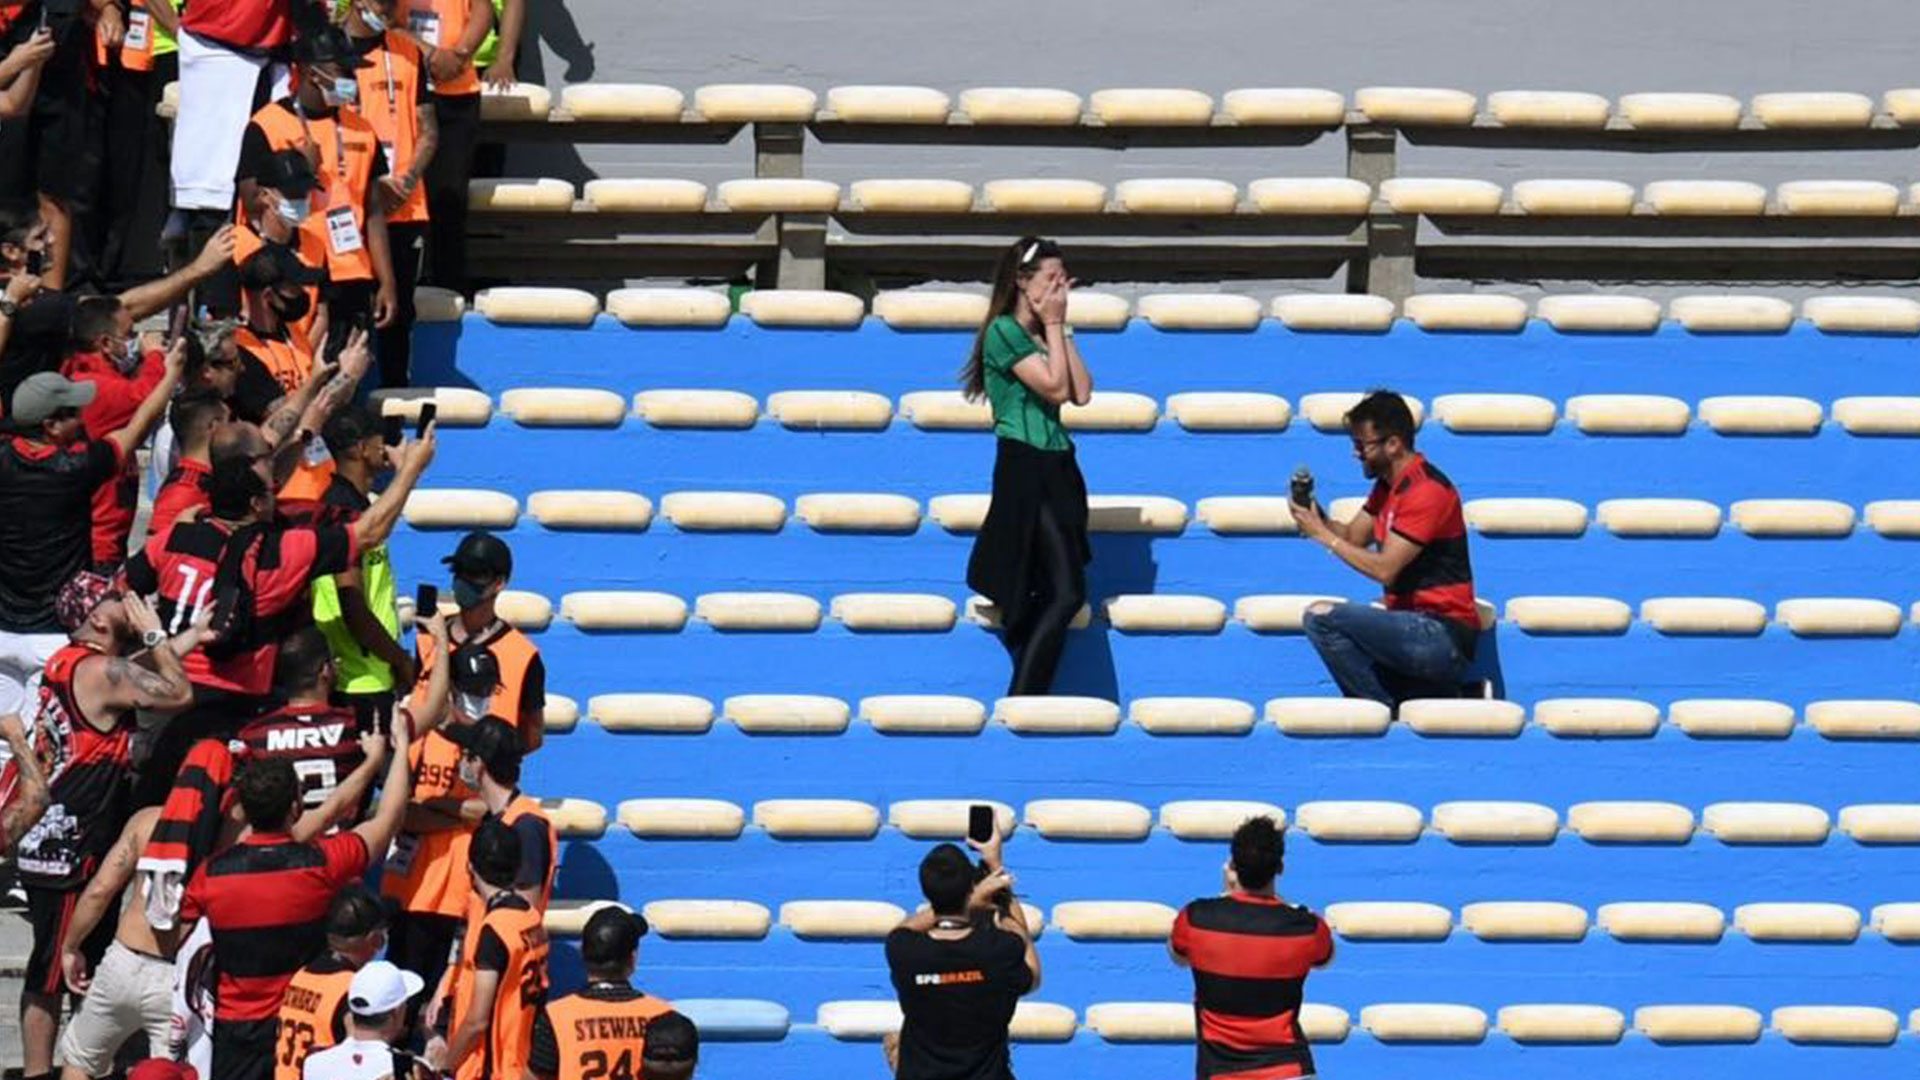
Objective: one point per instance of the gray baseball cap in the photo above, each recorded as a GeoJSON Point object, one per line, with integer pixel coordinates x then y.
{"type": "Point", "coordinates": [46, 393]}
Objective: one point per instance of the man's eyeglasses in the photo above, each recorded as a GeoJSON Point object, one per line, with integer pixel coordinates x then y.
{"type": "Point", "coordinates": [1364, 446]}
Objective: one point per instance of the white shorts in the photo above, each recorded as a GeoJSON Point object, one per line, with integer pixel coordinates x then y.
{"type": "Point", "coordinates": [21, 658]}
{"type": "Point", "coordinates": [129, 993]}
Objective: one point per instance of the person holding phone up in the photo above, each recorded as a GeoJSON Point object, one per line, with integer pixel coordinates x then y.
{"type": "Point", "coordinates": [961, 965]}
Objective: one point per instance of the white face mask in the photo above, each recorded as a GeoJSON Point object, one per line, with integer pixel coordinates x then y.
{"type": "Point", "coordinates": [345, 91]}
{"type": "Point", "coordinates": [294, 211]}
{"type": "Point", "coordinates": [472, 706]}
{"type": "Point", "coordinates": [374, 22]}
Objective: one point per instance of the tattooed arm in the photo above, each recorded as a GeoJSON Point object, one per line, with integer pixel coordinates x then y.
{"type": "Point", "coordinates": [30, 802]}
{"type": "Point", "coordinates": [153, 680]}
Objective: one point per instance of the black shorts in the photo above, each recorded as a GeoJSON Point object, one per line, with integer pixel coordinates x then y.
{"type": "Point", "coordinates": [51, 911]}
{"type": "Point", "coordinates": [56, 149]}
{"type": "Point", "coordinates": [243, 1049]}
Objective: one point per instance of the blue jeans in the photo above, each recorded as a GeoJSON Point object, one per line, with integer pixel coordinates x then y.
{"type": "Point", "coordinates": [1388, 656]}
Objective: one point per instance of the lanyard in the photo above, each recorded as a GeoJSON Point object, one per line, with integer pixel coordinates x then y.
{"type": "Point", "coordinates": [339, 141]}
{"type": "Point", "coordinates": [386, 55]}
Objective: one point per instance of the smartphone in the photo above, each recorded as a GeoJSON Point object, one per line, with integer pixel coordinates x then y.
{"type": "Point", "coordinates": [426, 601]}
{"type": "Point", "coordinates": [393, 428]}
{"type": "Point", "coordinates": [177, 324]}
{"type": "Point", "coordinates": [980, 823]}
{"type": "Point", "coordinates": [428, 411]}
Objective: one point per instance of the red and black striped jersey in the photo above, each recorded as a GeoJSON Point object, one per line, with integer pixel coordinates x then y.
{"type": "Point", "coordinates": [86, 780]}
{"type": "Point", "coordinates": [322, 742]}
{"type": "Point", "coordinates": [1250, 957]}
{"type": "Point", "coordinates": [1423, 506]}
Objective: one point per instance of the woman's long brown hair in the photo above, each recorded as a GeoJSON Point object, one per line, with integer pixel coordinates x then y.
{"type": "Point", "coordinates": [1016, 263]}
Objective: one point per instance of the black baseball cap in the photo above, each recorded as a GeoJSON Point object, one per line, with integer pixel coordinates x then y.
{"type": "Point", "coordinates": [475, 670]}
{"type": "Point", "coordinates": [494, 742]}
{"type": "Point", "coordinates": [328, 45]}
{"type": "Point", "coordinates": [481, 555]}
{"type": "Point", "coordinates": [611, 936]}
{"type": "Point", "coordinates": [276, 264]}
{"type": "Point", "coordinates": [289, 173]}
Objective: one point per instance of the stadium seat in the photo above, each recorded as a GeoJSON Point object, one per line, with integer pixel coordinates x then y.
{"type": "Point", "coordinates": [631, 102]}
{"type": "Point", "coordinates": [696, 408]}
{"type": "Point", "coordinates": [1813, 110]}
{"type": "Point", "coordinates": [1338, 821]}
{"type": "Point", "coordinates": [568, 918]}
{"type": "Point", "coordinates": [1642, 920]}
{"type": "Point", "coordinates": [623, 510]}
{"type": "Point", "coordinates": [561, 713]}
{"type": "Point", "coordinates": [460, 508]}
{"type": "Point", "coordinates": [1463, 717]}
{"type": "Point", "coordinates": [944, 819]}
{"type": "Point", "coordinates": [1902, 106]}
{"type": "Point", "coordinates": [1214, 819]}
{"type": "Point", "coordinates": [1842, 1025]}
{"type": "Point", "coordinates": [436, 305]}
{"type": "Point", "coordinates": [1880, 823]}
{"type": "Point", "coordinates": [527, 611]}
{"type": "Point", "coordinates": [1089, 819]}
{"type": "Point", "coordinates": [1680, 112]}
{"type": "Point", "coordinates": [1599, 314]}
{"type": "Point", "coordinates": [1044, 196]}
{"type": "Point", "coordinates": [1704, 615]}
{"type": "Point", "coordinates": [945, 410]}
{"type": "Point", "coordinates": [651, 712]}
{"type": "Point", "coordinates": [669, 817]}
{"type": "Point", "coordinates": [669, 307]}
{"type": "Point", "coordinates": [1839, 616]}
{"type": "Point", "coordinates": [1284, 106]}
{"type": "Point", "coordinates": [1711, 198]}
{"type": "Point", "coordinates": [1682, 1024]}
{"type": "Point", "coordinates": [1151, 108]}
{"type": "Point", "coordinates": [723, 511]}
{"type": "Point", "coordinates": [1114, 920]}
{"type": "Point", "coordinates": [1111, 410]}
{"type": "Point", "coordinates": [520, 101]}
{"type": "Point", "coordinates": [1593, 718]}
{"type": "Point", "coordinates": [1176, 196]}
{"type": "Point", "coordinates": [840, 919]}
{"type": "Point", "coordinates": [617, 610]}
{"type": "Point", "coordinates": [1142, 1021]}
{"type": "Point", "coordinates": [1797, 922]}
{"type": "Point", "coordinates": [1136, 514]}
{"type": "Point", "coordinates": [556, 407]}
{"type": "Point", "coordinates": [640, 196]}
{"type": "Point", "coordinates": [575, 817]}
{"type": "Point", "coordinates": [757, 611]}
{"type": "Point", "coordinates": [1765, 823]}
{"type": "Point", "coordinates": [1792, 517]}
{"type": "Point", "coordinates": [1328, 411]}
{"type": "Point", "coordinates": [889, 104]}
{"type": "Point", "coordinates": [1024, 106]}
{"type": "Point", "coordinates": [735, 1019]}
{"type": "Point", "coordinates": [1562, 1024]}
{"type": "Point", "coordinates": [1192, 311]}
{"type": "Point", "coordinates": [1466, 311]}
{"type": "Point", "coordinates": [1277, 613]}
{"type": "Point", "coordinates": [895, 714]}
{"type": "Point", "coordinates": [1313, 311]}
{"type": "Point", "coordinates": [802, 714]}
{"type": "Point", "coordinates": [1548, 109]}
{"type": "Point", "coordinates": [454, 406]}
{"type": "Point", "coordinates": [1424, 1023]}
{"type": "Point", "coordinates": [750, 102]}
{"type": "Point", "coordinates": [536, 306]}
{"type": "Point", "coordinates": [1659, 517]}
{"type": "Point", "coordinates": [1191, 716]}
{"type": "Point", "coordinates": [1838, 198]}
{"type": "Point", "coordinates": [1217, 410]}
{"type": "Point", "coordinates": [1629, 414]}
{"type": "Point", "coordinates": [1328, 716]}
{"type": "Point", "coordinates": [1709, 718]}
{"type": "Point", "coordinates": [904, 310]}
{"type": "Point", "coordinates": [863, 1021]}
{"type": "Point", "coordinates": [918, 612]}
{"type": "Point", "coordinates": [981, 612]}
{"type": "Point", "coordinates": [1057, 715]}
{"type": "Point", "coordinates": [1762, 415]}
{"type": "Point", "coordinates": [707, 918]}
{"type": "Point", "coordinates": [1471, 822]}
{"type": "Point", "coordinates": [817, 819]}
{"type": "Point", "coordinates": [1166, 614]}
{"type": "Point", "coordinates": [1865, 719]}
{"type": "Point", "coordinates": [912, 197]}
{"type": "Point", "coordinates": [1897, 922]}
{"type": "Point", "coordinates": [1416, 105]}
{"type": "Point", "coordinates": [779, 196]}
{"type": "Point", "coordinates": [823, 410]}
{"type": "Point", "coordinates": [1732, 314]}
{"type": "Point", "coordinates": [520, 196]}
{"type": "Point", "coordinates": [1894, 518]}
{"type": "Point", "coordinates": [1500, 413]}
{"type": "Point", "coordinates": [1389, 920]}
{"type": "Point", "coordinates": [1230, 515]}
{"type": "Point", "coordinates": [1087, 310]}
{"type": "Point", "coordinates": [1596, 198]}
{"type": "Point", "coordinates": [1862, 315]}
{"type": "Point", "coordinates": [1627, 822]}
{"type": "Point", "coordinates": [1309, 195]}
{"type": "Point", "coordinates": [1524, 920]}
{"type": "Point", "coordinates": [1410, 195]}
{"type": "Point", "coordinates": [1569, 614]}
{"type": "Point", "coordinates": [1524, 517]}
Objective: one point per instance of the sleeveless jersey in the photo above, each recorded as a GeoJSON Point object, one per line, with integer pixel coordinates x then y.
{"type": "Point", "coordinates": [503, 1051]}
{"type": "Point", "coordinates": [322, 742]}
{"type": "Point", "coordinates": [86, 780]}
{"type": "Point", "coordinates": [601, 1039]}
{"type": "Point", "coordinates": [312, 1015]}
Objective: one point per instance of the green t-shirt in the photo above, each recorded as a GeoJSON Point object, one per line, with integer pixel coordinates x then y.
{"type": "Point", "coordinates": [1018, 412]}
{"type": "Point", "coordinates": [357, 670]}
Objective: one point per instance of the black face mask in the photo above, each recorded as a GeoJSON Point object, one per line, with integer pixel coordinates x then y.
{"type": "Point", "coordinates": [292, 309]}
{"type": "Point", "coordinates": [36, 263]}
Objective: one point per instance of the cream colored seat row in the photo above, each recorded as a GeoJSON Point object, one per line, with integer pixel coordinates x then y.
{"type": "Point", "coordinates": [1673, 198]}
{"type": "Point", "coordinates": [922, 310]}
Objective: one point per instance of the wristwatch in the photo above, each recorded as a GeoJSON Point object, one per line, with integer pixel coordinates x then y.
{"type": "Point", "coordinates": [8, 307]}
{"type": "Point", "coordinates": [153, 638]}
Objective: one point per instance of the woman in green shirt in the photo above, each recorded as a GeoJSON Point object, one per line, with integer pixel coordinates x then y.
{"type": "Point", "coordinates": [1031, 555]}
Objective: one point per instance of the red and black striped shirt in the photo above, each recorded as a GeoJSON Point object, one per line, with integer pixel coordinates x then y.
{"type": "Point", "coordinates": [1423, 507]}
{"type": "Point", "coordinates": [86, 780]}
{"type": "Point", "coordinates": [1250, 957]}
{"type": "Point", "coordinates": [266, 900]}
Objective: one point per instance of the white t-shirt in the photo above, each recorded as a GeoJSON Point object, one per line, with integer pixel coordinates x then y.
{"type": "Point", "coordinates": [354, 1059]}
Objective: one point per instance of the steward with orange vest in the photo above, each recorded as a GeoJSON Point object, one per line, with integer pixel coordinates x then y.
{"type": "Point", "coordinates": [276, 361]}
{"type": "Point", "coordinates": [600, 1031]}
{"type": "Point", "coordinates": [283, 195]}
{"type": "Point", "coordinates": [451, 33]}
{"type": "Point", "coordinates": [313, 1014]}
{"type": "Point", "coordinates": [501, 981]}
{"type": "Point", "coordinates": [490, 754]}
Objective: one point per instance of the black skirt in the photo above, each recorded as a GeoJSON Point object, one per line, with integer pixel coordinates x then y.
{"type": "Point", "coordinates": [1002, 567]}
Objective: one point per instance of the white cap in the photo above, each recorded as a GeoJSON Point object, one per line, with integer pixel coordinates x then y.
{"type": "Point", "coordinates": [381, 988]}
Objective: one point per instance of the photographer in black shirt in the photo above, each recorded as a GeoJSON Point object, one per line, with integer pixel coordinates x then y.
{"type": "Point", "coordinates": [960, 967]}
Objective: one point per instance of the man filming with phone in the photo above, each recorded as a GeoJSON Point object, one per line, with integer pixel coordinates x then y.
{"type": "Point", "coordinates": [961, 965]}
